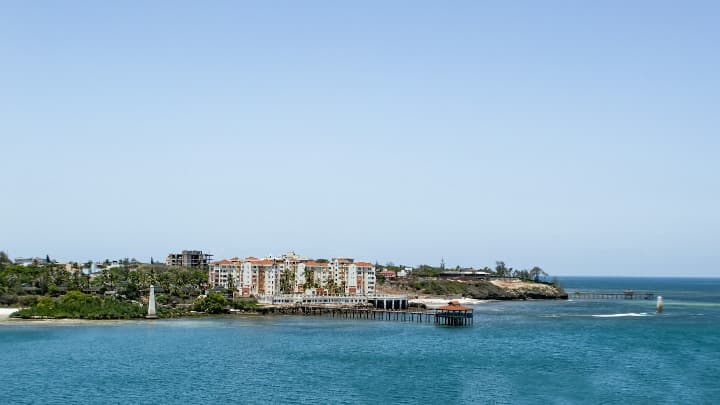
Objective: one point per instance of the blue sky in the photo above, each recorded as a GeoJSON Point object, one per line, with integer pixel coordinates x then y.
{"type": "Point", "coordinates": [578, 136]}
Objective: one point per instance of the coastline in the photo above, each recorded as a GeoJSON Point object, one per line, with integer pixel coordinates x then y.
{"type": "Point", "coordinates": [508, 290]}
{"type": "Point", "coordinates": [63, 321]}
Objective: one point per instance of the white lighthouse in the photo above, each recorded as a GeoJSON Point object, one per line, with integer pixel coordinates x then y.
{"type": "Point", "coordinates": [152, 313]}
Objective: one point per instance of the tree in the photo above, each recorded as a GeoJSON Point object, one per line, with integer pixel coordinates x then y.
{"type": "Point", "coordinates": [4, 259]}
{"type": "Point", "coordinates": [522, 274]}
{"type": "Point", "coordinates": [231, 284]}
{"type": "Point", "coordinates": [309, 278]}
{"type": "Point", "coordinates": [214, 303]}
{"type": "Point", "coordinates": [501, 270]}
{"type": "Point", "coordinates": [330, 286]}
{"type": "Point", "coordinates": [536, 273]}
{"type": "Point", "coordinates": [425, 270]}
{"type": "Point", "coordinates": [287, 281]}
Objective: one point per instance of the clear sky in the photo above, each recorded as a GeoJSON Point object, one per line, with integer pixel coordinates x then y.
{"type": "Point", "coordinates": [582, 137]}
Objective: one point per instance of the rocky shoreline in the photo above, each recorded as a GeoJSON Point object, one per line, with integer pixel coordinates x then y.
{"type": "Point", "coordinates": [483, 290]}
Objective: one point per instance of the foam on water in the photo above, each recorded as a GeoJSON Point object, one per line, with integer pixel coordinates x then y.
{"type": "Point", "coordinates": [631, 314]}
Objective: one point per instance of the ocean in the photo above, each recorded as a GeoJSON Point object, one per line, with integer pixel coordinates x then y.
{"type": "Point", "coordinates": [564, 352]}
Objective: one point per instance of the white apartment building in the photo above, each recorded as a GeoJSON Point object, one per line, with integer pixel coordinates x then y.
{"type": "Point", "coordinates": [293, 274]}
{"type": "Point", "coordinates": [224, 273]}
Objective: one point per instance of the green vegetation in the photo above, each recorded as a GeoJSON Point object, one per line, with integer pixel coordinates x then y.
{"type": "Point", "coordinates": [477, 289]}
{"type": "Point", "coordinates": [486, 289]}
{"type": "Point", "coordinates": [214, 303]}
{"type": "Point", "coordinates": [287, 281]}
{"type": "Point", "coordinates": [77, 305]}
{"type": "Point", "coordinates": [331, 287]}
{"type": "Point", "coordinates": [427, 271]}
{"type": "Point", "coordinates": [20, 284]}
{"type": "Point", "coordinates": [4, 259]}
{"type": "Point", "coordinates": [501, 270]}
{"type": "Point", "coordinates": [246, 304]}
{"type": "Point", "coordinates": [310, 279]}
{"type": "Point", "coordinates": [112, 293]}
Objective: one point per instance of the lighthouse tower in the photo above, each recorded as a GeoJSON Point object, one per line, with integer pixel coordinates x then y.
{"type": "Point", "coordinates": [152, 313]}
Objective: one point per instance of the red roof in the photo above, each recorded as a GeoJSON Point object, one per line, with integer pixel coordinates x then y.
{"type": "Point", "coordinates": [454, 306]}
{"type": "Point", "coordinates": [363, 264]}
{"type": "Point", "coordinates": [263, 262]}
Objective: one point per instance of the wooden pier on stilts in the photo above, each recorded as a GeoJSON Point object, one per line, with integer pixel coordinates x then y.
{"type": "Point", "coordinates": [440, 317]}
{"type": "Point", "coordinates": [398, 315]}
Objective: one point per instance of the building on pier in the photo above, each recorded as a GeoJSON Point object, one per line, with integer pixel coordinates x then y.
{"type": "Point", "coordinates": [391, 302]}
{"type": "Point", "coordinates": [454, 314]}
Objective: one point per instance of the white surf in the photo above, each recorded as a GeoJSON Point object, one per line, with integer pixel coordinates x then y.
{"type": "Point", "coordinates": [621, 315]}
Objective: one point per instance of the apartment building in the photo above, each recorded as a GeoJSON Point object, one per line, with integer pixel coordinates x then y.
{"type": "Point", "coordinates": [293, 274]}
{"type": "Point", "coordinates": [189, 258]}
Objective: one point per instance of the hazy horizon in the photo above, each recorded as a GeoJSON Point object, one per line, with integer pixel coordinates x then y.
{"type": "Point", "coordinates": [581, 138]}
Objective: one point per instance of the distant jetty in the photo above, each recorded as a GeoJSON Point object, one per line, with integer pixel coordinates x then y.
{"type": "Point", "coordinates": [610, 295]}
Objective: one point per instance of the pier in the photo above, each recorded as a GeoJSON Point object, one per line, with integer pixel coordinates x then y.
{"type": "Point", "coordinates": [463, 317]}
{"type": "Point", "coordinates": [605, 295]}
{"type": "Point", "coordinates": [397, 315]}
{"type": "Point", "coordinates": [382, 308]}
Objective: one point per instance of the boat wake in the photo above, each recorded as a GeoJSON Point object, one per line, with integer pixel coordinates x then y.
{"type": "Point", "coordinates": [621, 315]}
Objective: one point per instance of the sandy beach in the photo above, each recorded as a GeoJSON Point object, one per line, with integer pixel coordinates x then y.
{"type": "Point", "coordinates": [5, 313]}
{"type": "Point", "coordinates": [437, 302]}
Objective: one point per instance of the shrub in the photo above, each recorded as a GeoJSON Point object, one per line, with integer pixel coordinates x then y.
{"type": "Point", "coordinates": [8, 299]}
{"type": "Point", "coordinates": [27, 300]}
{"type": "Point", "coordinates": [214, 303]}
{"type": "Point", "coordinates": [245, 304]}
{"type": "Point", "coordinates": [82, 306]}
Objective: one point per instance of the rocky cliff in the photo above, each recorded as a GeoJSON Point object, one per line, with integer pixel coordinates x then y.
{"type": "Point", "coordinates": [493, 290]}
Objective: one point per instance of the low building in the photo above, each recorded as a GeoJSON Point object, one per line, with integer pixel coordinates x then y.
{"type": "Point", "coordinates": [30, 261]}
{"type": "Point", "coordinates": [464, 274]}
{"type": "Point", "coordinates": [388, 274]}
{"type": "Point", "coordinates": [454, 314]}
{"type": "Point", "coordinates": [404, 272]}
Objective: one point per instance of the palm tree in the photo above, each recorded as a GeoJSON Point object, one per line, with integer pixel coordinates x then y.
{"type": "Point", "coordinates": [287, 279]}
{"type": "Point", "coordinates": [500, 269]}
{"type": "Point", "coordinates": [309, 278]}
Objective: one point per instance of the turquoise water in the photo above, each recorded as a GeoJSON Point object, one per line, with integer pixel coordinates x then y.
{"type": "Point", "coordinates": [517, 352]}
